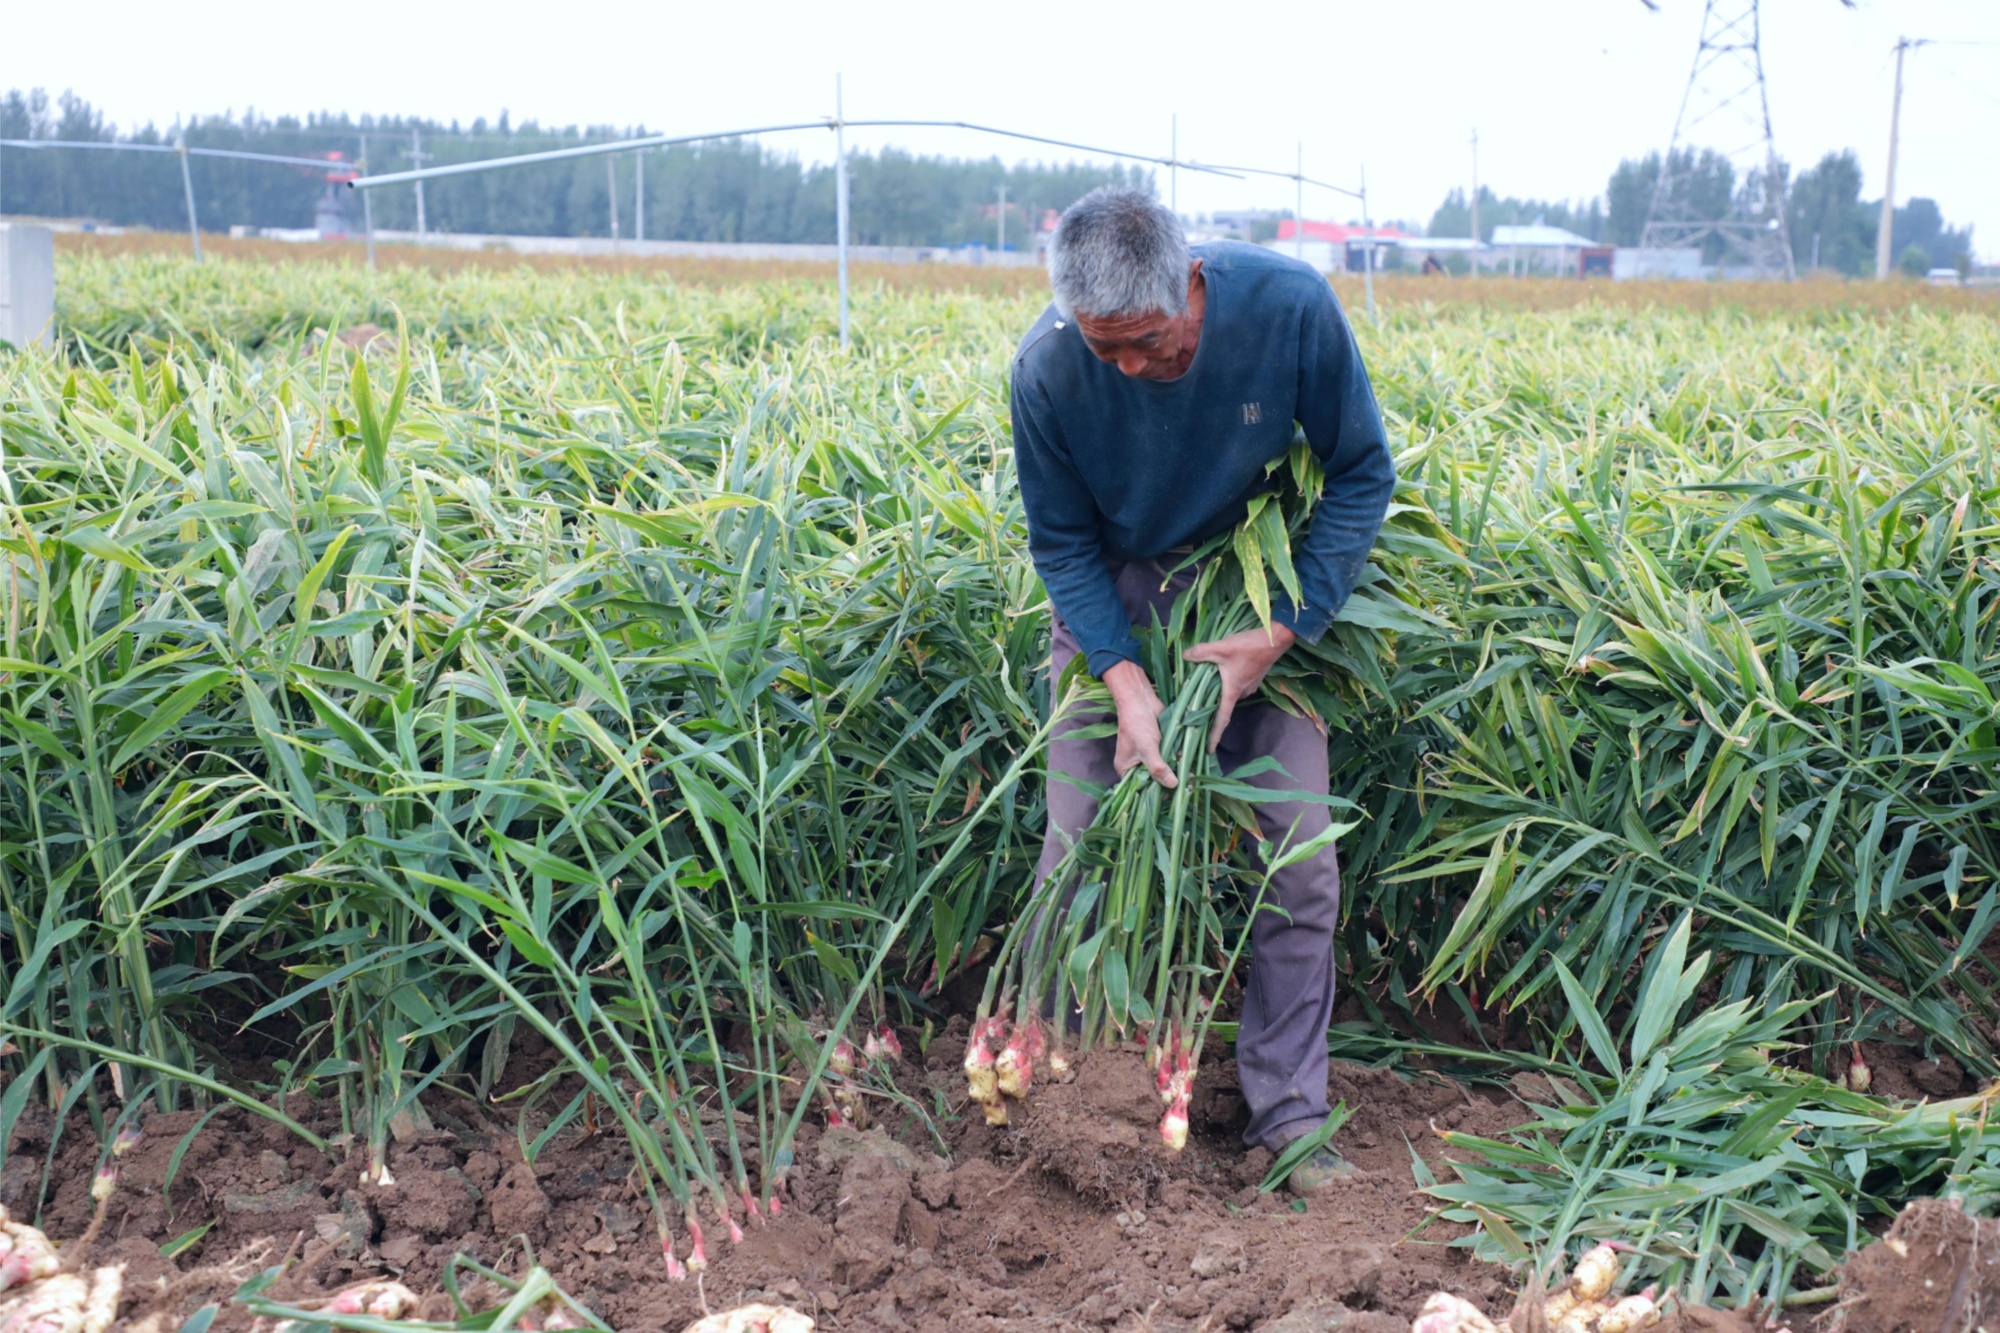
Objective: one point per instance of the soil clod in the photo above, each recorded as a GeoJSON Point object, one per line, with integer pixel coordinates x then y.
{"type": "Point", "coordinates": [1936, 1271]}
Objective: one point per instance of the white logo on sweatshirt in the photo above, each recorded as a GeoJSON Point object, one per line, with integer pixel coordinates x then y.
{"type": "Point", "coordinates": [1252, 413]}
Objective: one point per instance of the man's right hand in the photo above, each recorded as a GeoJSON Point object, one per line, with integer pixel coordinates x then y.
{"type": "Point", "coordinates": [1139, 710]}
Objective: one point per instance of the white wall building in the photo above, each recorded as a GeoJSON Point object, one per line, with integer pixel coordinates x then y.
{"type": "Point", "coordinates": [1540, 246]}
{"type": "Point", "coordinates": [1629, 262]}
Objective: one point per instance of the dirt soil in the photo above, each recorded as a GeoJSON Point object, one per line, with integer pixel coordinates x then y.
{"type": "Point", "coordinates": [1936, 1271]}
{"type": "Point", "coordinates": [1074, 1216]}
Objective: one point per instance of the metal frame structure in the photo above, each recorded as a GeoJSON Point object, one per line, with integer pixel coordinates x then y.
{"type": "Point", "coordinates": [1725, 92]}
{"type": "Point", "coordinates": [179, 147]}
{"type": "Point", "coordinates": [839, 125]}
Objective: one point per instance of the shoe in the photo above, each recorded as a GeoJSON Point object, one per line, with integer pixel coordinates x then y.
{"type": "Point", "coordinates": [1320, 1171]}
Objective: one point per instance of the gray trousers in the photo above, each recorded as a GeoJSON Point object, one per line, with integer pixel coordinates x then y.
{"type": "Point", "coordinates": [1288, 1002]}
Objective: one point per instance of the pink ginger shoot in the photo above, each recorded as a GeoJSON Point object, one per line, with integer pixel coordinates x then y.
{"type": "Point", "coordinates": [1859, 1076]}
{"type": "Point", "coordinates": [728, 1218]}
{"type": "Point", "coordinates": [675, 1273]}
{"type": "Point", "coordinates": [1175, 1078]}
{"type": "Point", "coordinates": [1163, 1055]}
{"type": "Point", "coordinates": [982, 1079]}
{"type": "Point", "coordinates": [1174, 1125]}
{"type": "Point", "coordinates": [698, 1248]}
{"type": "Point", "coordinates": [1014, 1069]}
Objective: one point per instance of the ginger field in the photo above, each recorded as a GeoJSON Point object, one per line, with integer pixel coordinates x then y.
{"type": "Point", "coordinates": [602, 662]}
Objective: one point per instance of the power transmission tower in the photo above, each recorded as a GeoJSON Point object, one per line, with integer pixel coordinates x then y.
{"type": "Point", "coordinates": [1725, 108]}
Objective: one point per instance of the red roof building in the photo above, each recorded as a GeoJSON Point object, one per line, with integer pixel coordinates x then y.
{"type": "Point", "coordinates": [1336, 247]}
{"type": "Point", "coordinates": [1338, 233]}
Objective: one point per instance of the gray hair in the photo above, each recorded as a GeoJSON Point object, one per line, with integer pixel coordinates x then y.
{"type": "Point", "coordinates": [1119, 252]}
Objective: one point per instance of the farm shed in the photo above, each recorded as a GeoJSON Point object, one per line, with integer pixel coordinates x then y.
{"type": "Point", "coordinates": [1539, 246]}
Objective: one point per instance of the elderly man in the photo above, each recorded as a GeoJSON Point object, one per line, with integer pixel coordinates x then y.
{"type": "Point", "coordinates": [1148, 401]}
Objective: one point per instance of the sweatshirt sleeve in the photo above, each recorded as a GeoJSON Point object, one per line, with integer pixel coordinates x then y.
{"type": "Point", "coordinates": [1062, 533]}
{"type": "Point", "coordinates": [1336, 409]}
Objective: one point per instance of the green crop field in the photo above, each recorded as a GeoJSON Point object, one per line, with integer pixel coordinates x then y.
{"type": "Point", "coordinates": [615, 658]}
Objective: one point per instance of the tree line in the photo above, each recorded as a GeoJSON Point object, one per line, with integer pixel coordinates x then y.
{"type": "Point", "coordinates": [1829, 221]}
{"type": "Point", "coordinates": [1831, 226]}
{"type": "Point", "coordinates": [727, 190]}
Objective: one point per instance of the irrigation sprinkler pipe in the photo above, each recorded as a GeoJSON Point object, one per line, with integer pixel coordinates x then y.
{"type": "Point", "coordinates": [835, 123]}
{"type": "Point", "coordinates": [840, 202]}
{"type": "Point", "coordinates": [565, 154]}
{"type": "Point", "coordinates": [231, 153]}
{"type": "Point", "coordinates": [179, 147]}
{"type": "Point", "coordinates": [1042, 139]}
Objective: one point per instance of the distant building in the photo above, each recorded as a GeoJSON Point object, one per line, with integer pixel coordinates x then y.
{"type": "Point", "coordinates": [1239, 224]}
{"type": "Point", "coordinates": [330, 212]}
{"type": "Point", "coordinates": [1630, 261]}
{"type": "Point", "coordinates": [1044, 234]}
{"type": "Point", "coordinates": [1416, 249]}
{"type": "Point", "coordinates": [1336, 247]}
{"type": "Point", "coordinates": [1540, 247]}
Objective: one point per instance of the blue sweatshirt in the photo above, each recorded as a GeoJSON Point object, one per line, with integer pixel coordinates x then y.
{"type": "Point", "coordinates": [1113, 467]}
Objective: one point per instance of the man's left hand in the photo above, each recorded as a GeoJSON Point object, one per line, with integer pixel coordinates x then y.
{"type": "Point", "coordinates": [1243, 659]}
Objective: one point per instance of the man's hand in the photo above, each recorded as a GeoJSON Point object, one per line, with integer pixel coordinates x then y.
{"type": "Point", "coordinates": [1139, 710]}
{"type": "Point", "coordinates": [1243, 659]}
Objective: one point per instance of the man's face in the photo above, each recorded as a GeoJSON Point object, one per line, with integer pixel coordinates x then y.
{"type": "Point", "coordinates": [1149, 346]}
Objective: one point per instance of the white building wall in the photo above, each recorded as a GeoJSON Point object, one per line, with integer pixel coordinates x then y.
{"type": "Point", "coordinates": [27, 284]}
{"type": "Point", "coordinates": [1322, 255]}
{"type": "Point", "coordinates": [1629, 261]}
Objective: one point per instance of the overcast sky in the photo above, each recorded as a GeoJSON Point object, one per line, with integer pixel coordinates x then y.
{"type": "Point", "coordinates": [1558, 90]}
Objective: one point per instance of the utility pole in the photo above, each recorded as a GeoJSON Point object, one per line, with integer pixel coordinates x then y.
{"type": "Point", "coordinates": [1299, 206]}
{"type": "Point", "coordinates": [367, 206]}
{"type": "Point", "coordinates": [611, 195]}
{"type": "Point", "coordinates": [187, 188]}
{"type": "Point", "coordinates": [1886, 226]}
{"type": "Point", "coordinates": [638, 196]}
{"type": "Point", "coordinates": [1003, 219]}
{"type": "Point", "coordinates": [1174, 169]}
{"type": "Point", "coordinates": [417, 159]}
{"type": "Point", "coordinates": [1368, 247]}
{"type": "Point", "coordinates": [840, 200]}
{"type": "Point", "coordinates": [1475, 203]}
